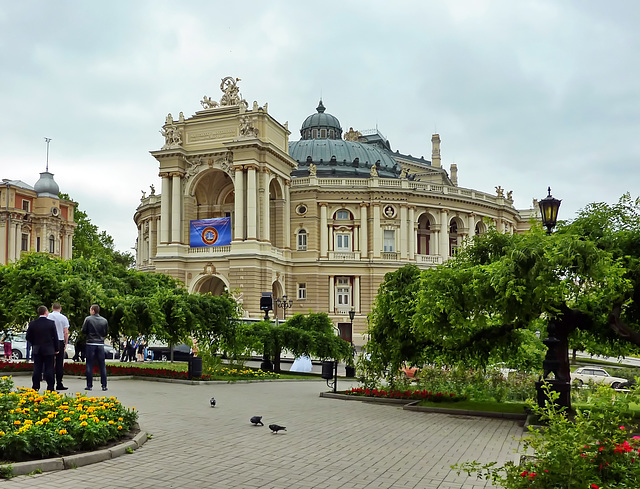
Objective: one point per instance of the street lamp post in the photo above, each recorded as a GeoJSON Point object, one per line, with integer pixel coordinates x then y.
{"type": "Point", "coordinates": [285, 304]}
{"type": "Point", "coordinates": [549, 210]}
{"type": "Point", "coordinates": [549, 207]}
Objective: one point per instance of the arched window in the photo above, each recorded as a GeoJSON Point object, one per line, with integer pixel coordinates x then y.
{"type": "Point", "coordinates": [302, 240]}
{"type": "Point", "coordinates": [52, 244]}
{"type": "Point", "coordinates": [453, 237]}
{"type": "Point", "coordinates": [343, 215]}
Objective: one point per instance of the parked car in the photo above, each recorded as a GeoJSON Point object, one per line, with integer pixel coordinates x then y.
{"type": "Point", "coordinates": [18, 346]}
{"type": "Point", "coordinates": [110, 353]}
{"type": "Point", "coordinates": [597, 375]}
{"type": "Point", "coordinates": [181, 353]}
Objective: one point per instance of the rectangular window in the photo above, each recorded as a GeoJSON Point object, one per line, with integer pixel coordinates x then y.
{"type": "Point", "coordinates": [389, 240]}
{"type": "Point", "coordinates": [343, 215]}
{"type": "Point", "coordinates": [342, 242]}
{"type": "Point", "coordinates": [302, 241]}
{"type": "Point", "coordinates": [26, 206]}
{"type": "Point", "coordinates": [25, 242]}
{"type": "Point", "coordinates": [343, 291]}
{"type": "Point", "coordinates": [38, 244]}
{"type": "Point", "coordinates": [302, 291]}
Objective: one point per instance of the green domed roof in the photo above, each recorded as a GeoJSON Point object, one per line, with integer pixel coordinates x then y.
{"type": "Point", "coordinates": [319, 121]}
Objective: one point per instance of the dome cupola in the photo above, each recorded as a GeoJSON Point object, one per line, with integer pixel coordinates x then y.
{"type": "Point", "coordinates": [46, 186]}
{"type": "Point", "coordinates": [321, 125]}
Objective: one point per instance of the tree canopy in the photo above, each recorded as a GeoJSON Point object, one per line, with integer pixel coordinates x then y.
{"type": "Point", "coordinates": [90, 242]}
{"type": "Point", "coordinates": [486, 304]}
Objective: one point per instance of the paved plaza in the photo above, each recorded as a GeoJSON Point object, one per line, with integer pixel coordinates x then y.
{"type": "Point", "coordinates": [328, 444]}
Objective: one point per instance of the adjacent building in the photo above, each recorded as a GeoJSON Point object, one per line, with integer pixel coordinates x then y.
{"type": "Point", "coordinates": [320, 220]}
{"type": "Point", "coordinates": [34, 219]}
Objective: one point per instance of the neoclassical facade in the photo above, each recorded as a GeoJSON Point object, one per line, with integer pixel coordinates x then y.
{"type": "Point", "coordinates": [320, 220]}
{"type": "Point", "coordinates": [34, 219]}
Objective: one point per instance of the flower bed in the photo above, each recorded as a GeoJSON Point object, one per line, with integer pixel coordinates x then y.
{"type": "Point", "coordinates": [219, 373]}
{"type": "Point", "coordinates": [34, 425]}
{"type": "Point", "coordinates": [418, 395]}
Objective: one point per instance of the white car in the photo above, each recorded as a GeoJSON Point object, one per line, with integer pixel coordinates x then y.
{"type": "Point", "coordinates": [19, 347]}
{"type": "Point", "coordinates": [597, 375]}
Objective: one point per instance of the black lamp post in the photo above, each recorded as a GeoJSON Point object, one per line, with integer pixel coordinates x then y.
{"type": "Point", "coordinates": [285, 304]}
{"type": "Point", "coordinates": [549, 209]}
{"type": "Point", "coordinates": [350, 369]}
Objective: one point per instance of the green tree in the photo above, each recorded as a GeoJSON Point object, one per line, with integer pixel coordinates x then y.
{"type": "Point", "coordinates": [486, 304]}
{"type": "Point", "coordinates": [89, 241]}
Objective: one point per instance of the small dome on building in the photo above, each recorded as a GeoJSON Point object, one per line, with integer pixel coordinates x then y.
{"type": "Point", "coordinates": [46, 186]}
{"type": "Point", "coordinates": [321, 125]}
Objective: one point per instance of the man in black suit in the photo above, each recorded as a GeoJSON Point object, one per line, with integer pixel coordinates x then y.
{"type": "Point", "coordinates": [43, 336]}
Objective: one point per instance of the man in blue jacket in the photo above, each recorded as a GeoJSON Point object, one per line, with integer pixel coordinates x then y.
{"type": "Point", "coordinates": [95, 329]}
{"type": "Point", "coordinates": [44, 340]}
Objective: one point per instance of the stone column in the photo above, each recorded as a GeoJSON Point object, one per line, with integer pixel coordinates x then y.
{"type": "Point", "coordinates": [238, 205]}
{"type": "Point", "coordinates": [139, 244]}
{"type": "Point", "coordinates": [12, 243]}
{"type": "Point", "coordinates": [165, 203]}
{"type": "Point", "coordinates": [444, 234]}
{"type": "Point", "coordinates": [252, 203]}
{"type": "Point", "coordinates": [364, 245]}
{"type": "Point", "coordinates": [152, 237]}
{"type": "Point", "coordinates": [266, 214]}
{"type": "Point", "coordinates": [287, 214]}
{"type": "Point", "coordinates": [404, 232]}
{"type": "Point", "coordinates": [158, 222]}
{"type": "Point", "coordinates": [18, 243]}
{"type": "Point", "coordinates": [356, 293]}
{"type": "Point", "coordinates": [70, 246]}
{"type": "Point", "coordinates": [413, 236]}
{"type": "Point", "coordinates": [176, 207]}
{"type": "Point", "coordinates": [3, 242]}
{"type": "Point", "coordinates": [377, 233]}
{"type": "Point", "coordinates": [323, 230]}
{"type": "Point", "coordinates": [332, 294]}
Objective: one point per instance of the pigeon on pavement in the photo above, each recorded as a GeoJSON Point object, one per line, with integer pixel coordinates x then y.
{"type": "Point", "coordinates": [257, 420]}
{"type": "Point", "coordinates": [213, 402]}
{"type": "Point", "coordinates": [275, 428]}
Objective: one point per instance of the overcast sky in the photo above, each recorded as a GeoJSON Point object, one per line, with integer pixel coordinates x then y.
{"type": "Point", "coordinates": [524, 94]}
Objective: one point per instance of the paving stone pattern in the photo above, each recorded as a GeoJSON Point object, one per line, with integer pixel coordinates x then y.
{"type": "Point", "coordinates": [328, 443]}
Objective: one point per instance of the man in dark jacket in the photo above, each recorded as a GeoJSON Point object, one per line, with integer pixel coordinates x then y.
{"type": "Point", "coordinates": [95, 329]}
{"type": "Point", "coordinates": [44, 340]}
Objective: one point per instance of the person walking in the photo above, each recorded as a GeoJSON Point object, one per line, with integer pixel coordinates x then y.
{"type": "Point", "coordinates": [62, 329]}
{"type": "Point", "coordinates": [44, 343]}
{"type": "Point", "coordinates": [95, 329]}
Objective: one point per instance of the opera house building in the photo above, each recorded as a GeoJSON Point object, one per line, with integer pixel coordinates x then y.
{"type": "Point", "coordinates": [321, 219]}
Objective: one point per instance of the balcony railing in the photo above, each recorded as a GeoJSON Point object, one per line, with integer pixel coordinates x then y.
{"type": "Point", "coordinates": [344, 255]}
{"type": "Point", "coordinates": [211, 250]}
{"type": "Point", "coordinates": [431, 259]}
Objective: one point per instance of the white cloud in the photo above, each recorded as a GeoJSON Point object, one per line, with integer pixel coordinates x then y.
{"type": "Point", "coordinates": [524, 94]}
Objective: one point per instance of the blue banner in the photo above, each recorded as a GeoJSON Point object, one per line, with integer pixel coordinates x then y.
{"type": "Point", "coordinates": [210, 232]}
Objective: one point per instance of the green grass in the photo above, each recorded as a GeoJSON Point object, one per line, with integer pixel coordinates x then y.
{"type": "Point", "coordinates": [489, 406]}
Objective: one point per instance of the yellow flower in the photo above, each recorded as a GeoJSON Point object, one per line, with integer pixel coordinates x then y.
{"type": "Point", "coordinates": [28, 421]}
{"type": "Point", "coordinates": [119, 427]}
{"type": "Point", "coordinates": [112, 421]}
{"type": "Point", "coordinates": [4, 377]}
{"type": "Point", "coordinates": [96, 420]}
{"type": "Point", "coordinates": [63, 432]}
{"type": "Point", "coordinates": [67, 419]}
{"type": "Point", "coordinates": [39, 423]}
{"type": "Point", "coordinates": [83, 416]}
{"type": "Point", "coordinates": [44, 420]}
{"type": "Point", "coordinates": [120, 419]}
{"type": "Point", "coordinates": [84, 423]}
{"type": "Point", "coordinates": [1, 433]}
{"type": "Point", "coordinates": [17, 422]}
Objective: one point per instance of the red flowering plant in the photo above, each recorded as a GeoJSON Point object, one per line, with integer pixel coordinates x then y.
{"type": "Point", "coordinates": [418, 395]}
{"type": "Point", "coordinates": [596, 448]}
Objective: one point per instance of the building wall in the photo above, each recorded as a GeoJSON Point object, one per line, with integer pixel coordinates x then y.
{"type": "Point", "coordinates": [31, 223]}
{"type": "Point", "coordinates": [220, 167]}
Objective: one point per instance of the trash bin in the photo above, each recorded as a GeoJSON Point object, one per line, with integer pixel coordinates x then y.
{"type": "Point", "coordinates": [195, 367]}
{"type": "Point", "coordinates": [350, 371]}
{"type": "Point", "coordinates": [327, 370]}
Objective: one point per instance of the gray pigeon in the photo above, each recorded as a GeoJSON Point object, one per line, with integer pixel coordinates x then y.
{"type": "Point", "coordinates": [275, 428]}
{"type": "Point", "coordinates": [213, 402]}
{"type": "Point", "coordinates": [257, 420]}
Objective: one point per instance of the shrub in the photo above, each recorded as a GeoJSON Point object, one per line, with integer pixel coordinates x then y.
{"type": "Point", "coordinates": [594, 448]}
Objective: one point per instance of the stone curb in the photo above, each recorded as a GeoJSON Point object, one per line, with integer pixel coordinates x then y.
{"type": "Point", "coordinates": [77, 460]}
{"type": "Point", "coordinates": [411, 405]}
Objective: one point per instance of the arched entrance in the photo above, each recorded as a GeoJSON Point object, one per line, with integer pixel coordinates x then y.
{"type": "Point", "coordinates": [211, 284]}
{"type": "Point", "coordinates": [214, 195]}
